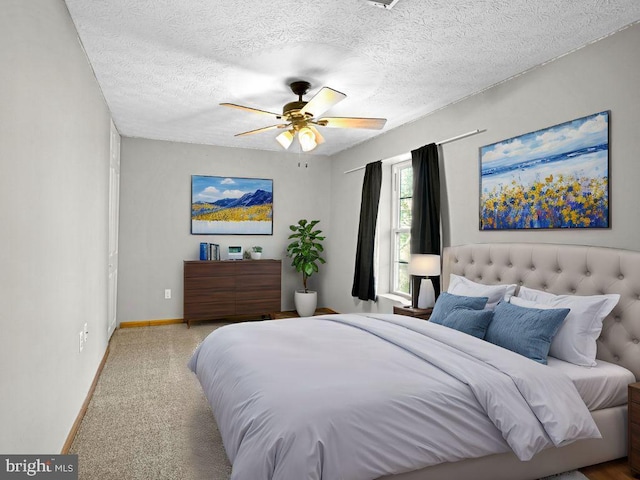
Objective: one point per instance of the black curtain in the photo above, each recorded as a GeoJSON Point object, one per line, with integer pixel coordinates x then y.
{"type": "Point", "coordinates": [363, 278]}
{"type": "Point", "coordinates": [425, 210]}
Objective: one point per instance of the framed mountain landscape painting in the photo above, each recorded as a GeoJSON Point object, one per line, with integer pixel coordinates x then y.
{"type": "Point", "coordinates": [231, 206]}
{"type": "Point", "coordinates": [557, 177]}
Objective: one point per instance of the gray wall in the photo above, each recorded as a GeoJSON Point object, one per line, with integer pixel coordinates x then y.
{"type": "Point", "coordinates": [601, 76]}
{"type": "Point", "coordinates": [54, 150]}
{"type": "Point", "coordinates": [54, 154]}
{"type": "Point", "coordinates": [155, 210]}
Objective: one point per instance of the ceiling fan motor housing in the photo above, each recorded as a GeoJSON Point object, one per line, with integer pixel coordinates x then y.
{"type": "Point", "coordinates": [291, 110]}
{"type": "Point", "coordinates": [291, 107]}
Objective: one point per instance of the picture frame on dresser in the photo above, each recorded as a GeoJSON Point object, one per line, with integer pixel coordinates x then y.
{"type": "Point", "coordinates": [231, 205]}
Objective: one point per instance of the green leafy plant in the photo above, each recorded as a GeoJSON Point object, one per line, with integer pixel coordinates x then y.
{"type": "Point", "coordinates": [256, 249]}
{"type": "Point", "coordinates": [305, 249]}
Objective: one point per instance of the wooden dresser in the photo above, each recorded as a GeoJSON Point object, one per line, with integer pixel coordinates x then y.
{"type": "Point", "coordinates": [221, 289]}
{"type": "Point", "coordinates": [634, 428]}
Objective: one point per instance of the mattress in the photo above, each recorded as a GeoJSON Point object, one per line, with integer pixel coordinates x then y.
{"type": "Point", "coordinates": [602, 386]}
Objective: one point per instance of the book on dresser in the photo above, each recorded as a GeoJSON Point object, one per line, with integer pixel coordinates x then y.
{"type": "Point", "coordinates": [214, 251]}
{"type": "Point", "coordinates": [215, 290]}
{"type": "Point", "coordinates": [209, 251]}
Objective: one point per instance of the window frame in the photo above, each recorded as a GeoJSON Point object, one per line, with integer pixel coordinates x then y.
{"type": "Point", "coordinates": [396, 230]}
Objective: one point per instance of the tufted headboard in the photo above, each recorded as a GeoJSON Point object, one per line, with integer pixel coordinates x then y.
{"type": "Point", "coordinates": [564, 269]}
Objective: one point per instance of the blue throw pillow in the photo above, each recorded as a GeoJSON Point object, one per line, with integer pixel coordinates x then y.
{"type": "Point", "coordinates": [527, 331]}
{"type": "Point", "coordinates": [472, 322]}
{"type": "Point", "coordinates": [448, 301]}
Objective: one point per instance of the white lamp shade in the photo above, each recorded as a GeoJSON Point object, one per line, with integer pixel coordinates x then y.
{"type": "Point", "coordinates": [424, 264]}
{"type": "Point", "coordinates": [307, 139]}
{"type": "Point", "coordinates": [285, 139]}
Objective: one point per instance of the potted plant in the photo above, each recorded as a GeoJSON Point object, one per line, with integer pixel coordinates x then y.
{"type": "Point", "coordinates": [256, 253]}
{"type": "Point", "coordinates": [305, 251]}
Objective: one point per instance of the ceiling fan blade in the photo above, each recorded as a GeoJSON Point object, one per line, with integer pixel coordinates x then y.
{"type": "Point", "coordinates": [250, 109]}
{"type": "Point", "coordinates": [322, 101]}
{"type": "Point", "coordinates": [319, 138]}
{"type": "Point", "coordinates": [352, 122]}
{"type": "Point", "coordinates": [259, 130]}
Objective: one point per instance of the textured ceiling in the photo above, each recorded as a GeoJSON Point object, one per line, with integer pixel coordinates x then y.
{"type": "Point", "coordinates": [164, 66]}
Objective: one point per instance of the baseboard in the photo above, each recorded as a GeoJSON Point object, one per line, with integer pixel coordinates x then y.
{"type": "Point", "coordinates": [83, 410]}
{"type": "Point", "coordinates": [151, 323]}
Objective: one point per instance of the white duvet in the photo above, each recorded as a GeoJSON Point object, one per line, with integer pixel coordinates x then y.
{"type": "Point", "coordinates": [357, 397]}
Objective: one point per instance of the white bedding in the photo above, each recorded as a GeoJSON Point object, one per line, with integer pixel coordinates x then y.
{"type": "Point", "coordinates": [602, 386]}
{"type": "Point", "coordinates": [356, 397]}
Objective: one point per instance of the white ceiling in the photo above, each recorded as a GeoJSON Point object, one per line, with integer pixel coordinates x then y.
{"type": "Point", "coordinates": [164, 66]}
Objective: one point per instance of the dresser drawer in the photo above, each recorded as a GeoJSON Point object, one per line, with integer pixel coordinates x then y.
{"type": "Point", "coordinates": [634, 463]}
{"type": "Point", "coordinates": [634, 459]}
{"type": "Point", "coordinates": [634, 404]}
{"type": "Point", "coordinates": [634, 392]}
{"type": "Point", "coordinates": [634, 435]}
{"type": "Point", "coordinates": [634, 413]}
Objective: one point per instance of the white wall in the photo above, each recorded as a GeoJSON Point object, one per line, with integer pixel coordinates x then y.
{"type": "Point", "coordinates": [155, 206]}
{"type": "Point", "coordinates": [54, 153]}
{"type": "Point", "coordinates": [601, 76]}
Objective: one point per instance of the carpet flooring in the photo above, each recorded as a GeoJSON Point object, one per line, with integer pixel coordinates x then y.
{"type": "Point", "coordinates": [148, 418]}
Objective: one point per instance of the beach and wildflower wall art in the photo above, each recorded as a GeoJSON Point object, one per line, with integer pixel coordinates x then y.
{"type": "Point", "coordinates": [557, 177]}
{"type": "Point", "coordinates": [231, 206]}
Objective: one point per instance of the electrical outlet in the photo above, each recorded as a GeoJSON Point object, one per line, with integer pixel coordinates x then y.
{"type": "Point", "coordinates": [86, 332]}
{"type": "Point", "coordinates": [81, 344]}
{"type": "Point", "coordinates": [167, 293]}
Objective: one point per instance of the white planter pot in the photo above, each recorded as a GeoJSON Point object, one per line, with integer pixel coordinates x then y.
{"type": "Point", "coordinates": [256, 255]}
{"type": "Point", "coordinates": [306, 302]}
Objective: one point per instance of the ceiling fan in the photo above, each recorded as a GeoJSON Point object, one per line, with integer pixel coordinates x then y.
{"type": "Point", "coordinates": [301, 117]}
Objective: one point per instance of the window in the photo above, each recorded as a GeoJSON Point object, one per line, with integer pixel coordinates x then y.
{"type": "Point", "coordinates": [401, 227]}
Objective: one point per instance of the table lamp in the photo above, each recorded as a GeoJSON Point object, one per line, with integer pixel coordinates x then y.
{"type": "Point", "coordinates": [424, 265]}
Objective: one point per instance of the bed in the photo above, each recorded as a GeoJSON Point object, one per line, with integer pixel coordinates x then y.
{"type": "Point", "coordinates": [385, 438]}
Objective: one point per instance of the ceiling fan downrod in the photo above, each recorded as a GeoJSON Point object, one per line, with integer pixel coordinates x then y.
{"type": "Point", "coordinates": [299, 88]}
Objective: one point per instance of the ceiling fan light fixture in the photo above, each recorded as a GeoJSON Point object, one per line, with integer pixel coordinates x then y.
{"type": "Point", "coordinates": [285, 139]}
{"type": "Point", "coordinates": [307, 139]}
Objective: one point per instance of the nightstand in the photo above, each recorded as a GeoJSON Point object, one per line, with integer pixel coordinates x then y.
{"type": "Point", "coordinates": [634, 427]}
{"type": "Point", "coordinates": [423, 313]}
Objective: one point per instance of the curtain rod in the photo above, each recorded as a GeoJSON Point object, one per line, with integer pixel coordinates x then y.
{"type": "Point", "coordinates": [441, 142]}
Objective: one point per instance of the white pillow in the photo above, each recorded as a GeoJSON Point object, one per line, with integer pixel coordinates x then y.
{"type": "Point", "coordinates": [463, 286]}
{"type": "Point", "coordinates": [575, 342]}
